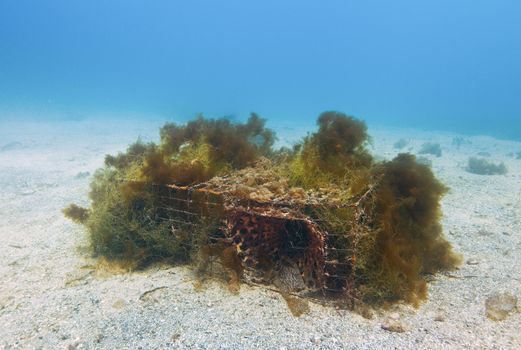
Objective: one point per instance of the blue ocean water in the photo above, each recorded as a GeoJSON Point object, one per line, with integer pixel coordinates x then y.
{"type": "Point", "coordinates": [437, 65]}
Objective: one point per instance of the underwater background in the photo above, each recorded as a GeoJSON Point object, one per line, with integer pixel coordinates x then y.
{"type": "Point", "coordinates": [414, 202]}
{"type": "Point", "coordinates": [436, 65]}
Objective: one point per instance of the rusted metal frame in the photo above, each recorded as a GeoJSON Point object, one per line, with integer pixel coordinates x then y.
{"type": "Point", "coordinates": [253, 207]}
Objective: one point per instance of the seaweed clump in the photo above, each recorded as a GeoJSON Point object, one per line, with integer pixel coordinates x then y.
{"type": "Point", "coordinates": [329, 156]}
{"type": "Point", "coordinates": [400, 144]}
{"type": "Point", "coordinates": [76, 213]}
{"type": "Point", "coordinates": [481, 166]}
{"type": "Point", "coordinates": [431, 148]}
{"type": "Point", "coordinates": [460, 141]}
{"type": "Point", "coordinates": [323, 216]}
{"type": "Point", "coordinates": [195, 152]}
{"type": "Point", "coordinates": [409, 240]}
{"type": "Point", "coordinates": [124, 221]}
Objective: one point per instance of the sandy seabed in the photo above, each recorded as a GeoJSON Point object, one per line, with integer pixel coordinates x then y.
{"type": "Point", "coordinates": [52, 298]}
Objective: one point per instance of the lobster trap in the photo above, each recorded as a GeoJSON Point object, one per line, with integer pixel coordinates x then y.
{"type": "Point", "coordinates": [323, 217]}
{"type": "Point", "coordinates": [288, 244]}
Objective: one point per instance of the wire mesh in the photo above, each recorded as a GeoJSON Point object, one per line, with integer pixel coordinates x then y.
{"type": "Point", "coordinates": [329, 258]}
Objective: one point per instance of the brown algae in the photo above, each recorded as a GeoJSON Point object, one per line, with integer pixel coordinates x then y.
{"type": "Point", "coordinates": [322, 219]}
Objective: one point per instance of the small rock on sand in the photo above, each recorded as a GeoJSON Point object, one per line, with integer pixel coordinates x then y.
{"type": "Point", "coordinates": [499, 305]}
{"type": "Point", "coordinates": [472, 261]}
{"type": "Point", "coordinates": [395, 326]}
{"type": "Point", "coordinates": [82, 175]}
